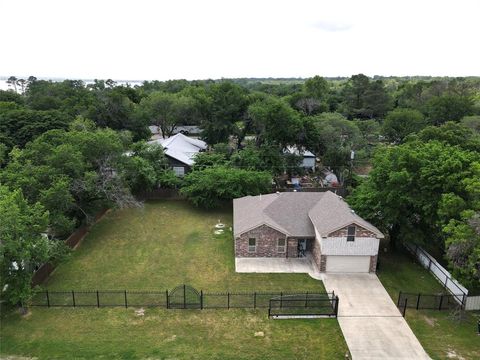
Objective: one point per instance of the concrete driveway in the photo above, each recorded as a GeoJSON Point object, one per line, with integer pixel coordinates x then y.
{"type": "Point", "coordinates": [371, 323]}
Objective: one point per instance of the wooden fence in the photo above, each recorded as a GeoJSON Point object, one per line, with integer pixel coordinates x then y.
{"type": "Point", "coordinates": [72, 241]}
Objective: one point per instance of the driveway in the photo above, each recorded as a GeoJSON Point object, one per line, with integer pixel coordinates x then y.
{"type": "Point", "coordinates": [371, 323]}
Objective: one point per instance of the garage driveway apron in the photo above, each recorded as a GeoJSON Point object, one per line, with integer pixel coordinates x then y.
{"type": "Point", "coordinates": [371, 323]}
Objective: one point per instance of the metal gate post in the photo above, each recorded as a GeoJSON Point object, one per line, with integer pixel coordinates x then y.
{"type": "Point", "coordinates": [405, 307]}
{"type": "Point", "coordinates": [166, 294]}
{"type": "Point", "coordinates": [201, 299]}
{"type": "Point", "coordinates": [184, 297]}
{"type": "Point", "coordinates": [418, 300]}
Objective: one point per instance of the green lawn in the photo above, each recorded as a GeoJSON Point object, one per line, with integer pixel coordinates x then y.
{"type": "Point", "coordinates": [158, 247]}
{"type": "Point", "coordinates": [440, 334]}
{"type": "Point", "coordinates": [165, 244]}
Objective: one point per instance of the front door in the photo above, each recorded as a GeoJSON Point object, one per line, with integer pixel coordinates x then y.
{"type": "Point", "coordinates": [302, 247]}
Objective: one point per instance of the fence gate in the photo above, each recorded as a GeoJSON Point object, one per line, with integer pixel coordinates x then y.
{"type": "Point", "coordinates": [184, 297]}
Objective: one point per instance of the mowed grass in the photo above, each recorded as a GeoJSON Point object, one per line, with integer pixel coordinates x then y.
{"type": "Point", "coordinates": [159, 247]}
{"type": "Point", "coordinates": [115, 333]}
{"type": "Point", "coordinates": [165, 244]}
{"type": "Point", "coordinates": [441, 335]}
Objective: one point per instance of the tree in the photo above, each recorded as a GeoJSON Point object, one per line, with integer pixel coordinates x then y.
{"type": "Point", "coordinates": [72, 173]}
{"type": "Point", "coordinates": [416, 188]}
{"type": "Point", "coordinates": [23, 125]}
{"type": "Point", "coordinates": [146, 168]}
{"type": "Point", "coordinates": [472, 122]}
{"type": "Point", "coordinates": [10, 96]}
{"type": "Point", "coordinates": [227, 105]}
{"type": "Point", "coordinates": [463, 247]}
{"type": "Point", "coordinates": [365, 99]}
{"type": "Point", "coordinates": [337, 136]}
{"type": "Point", "coordinates": [400, 123]}
{"type": "Point", "coordinates": [12, 81]}
{"type": "Point", "coordinates": [23, 247]}
{"type": "Point", "coordinates": [441, 109]}
{"type": "Point", "coordinates": [212, 186]}
{"type": "Point", "coordinates": [116, 111]}
{"type": "Point", "coordinates": [275, 122]}
{"type": "Point", "coordinates": [167, 110]}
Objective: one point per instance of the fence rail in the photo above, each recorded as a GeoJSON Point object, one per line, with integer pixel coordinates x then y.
{"type": "Point", "coordinates": [129, 298]}
{"type": "Point", "coordinates": [428, 301]}
{"type": "Point", "coordinates": [306, 305]}
{"type": "Point", "coordinates": [439, 272]}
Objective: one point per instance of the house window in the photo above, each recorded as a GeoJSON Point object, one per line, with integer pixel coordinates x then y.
{"type": "Point", "coordinates": [252, 245]}
{"type": "Point", "coordinates": [179, 170]}
{"type": "Point", "coordinates": [281, 245]}
{"type": "Point", "coordinates": [351, 233]}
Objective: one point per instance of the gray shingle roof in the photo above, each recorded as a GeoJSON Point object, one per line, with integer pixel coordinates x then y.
{"type": "Point", "coordinates": [296, 213]}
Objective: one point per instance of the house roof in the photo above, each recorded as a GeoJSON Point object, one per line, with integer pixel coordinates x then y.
{"type": "Point", "coordinates": [296, 213]}
{"type": "Point", "coordinates": [181, 147]}
{"type": "Point", "coordinates": [296, 151]}
{"type": "Point", "coordinates": [333, 213]}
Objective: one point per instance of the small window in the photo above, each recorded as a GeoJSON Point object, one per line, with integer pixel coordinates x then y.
{"type": "Point", "coordinates": [281, 245]}
{"type": "Point", "coordinates": [179, 170]}
{"type": "Point", "coordinates": [252, 245]}
{"type": "Point", "coordinates": [351, 233]}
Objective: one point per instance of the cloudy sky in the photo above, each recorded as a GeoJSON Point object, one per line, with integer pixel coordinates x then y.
{"type": "Point", "coordinates": [141, 39]}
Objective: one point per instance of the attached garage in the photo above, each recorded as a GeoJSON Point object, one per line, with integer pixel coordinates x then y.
{"type": "Point", "coordinates": [348, 263]}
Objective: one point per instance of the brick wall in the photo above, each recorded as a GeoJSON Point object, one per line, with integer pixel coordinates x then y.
{"type": "Point", "coordinates": [266, 241]}
{"type": "Point", "coordinates": [360, 232]}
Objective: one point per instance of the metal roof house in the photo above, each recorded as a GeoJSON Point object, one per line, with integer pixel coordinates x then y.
{"type": "Point", "coordinates": [309, 159]}
{"type": "Point", "coordinates": [180, 151]}
{"type": "Point", "coordinates": [317, 226]}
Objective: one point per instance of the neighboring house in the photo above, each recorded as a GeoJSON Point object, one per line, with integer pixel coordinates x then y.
{"type": "Point", "coordinates": [180, 151]}
{"type": "Point", "coordinates": [315, 225]}
{"type": "Point", "coordinates": [185, 130]}
{"type": "Point", "coordinates": [308, 161]}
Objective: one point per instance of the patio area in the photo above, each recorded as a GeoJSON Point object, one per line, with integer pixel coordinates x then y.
{"type": "Point", "coordinates": [276, 265]}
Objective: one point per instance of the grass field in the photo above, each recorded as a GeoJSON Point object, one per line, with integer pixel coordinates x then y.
{"type": "Point", "coordinates": [159, 247]}
{"type": "Point", "coordinates": [442, 336]}
{"type": "Point", "coordinates": [165, 244]}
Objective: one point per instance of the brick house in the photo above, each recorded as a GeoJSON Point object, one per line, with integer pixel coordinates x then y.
{"type": "Point", "coordinates": [318, 226]}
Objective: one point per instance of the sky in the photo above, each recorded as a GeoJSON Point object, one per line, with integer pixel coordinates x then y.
{"type": "Point", "coordinates": [166, 39]}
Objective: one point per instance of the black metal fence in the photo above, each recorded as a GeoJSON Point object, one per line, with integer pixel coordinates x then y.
{"type": "Point", "coordinates": [303, 305]}
{"type": "Point", "coordinates": [182, 297]}
{"type": "Point", "coordinates": [428, 301]}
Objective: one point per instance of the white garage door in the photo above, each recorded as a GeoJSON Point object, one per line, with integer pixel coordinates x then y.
{"type": "Point", "coordinates": [345, 264]}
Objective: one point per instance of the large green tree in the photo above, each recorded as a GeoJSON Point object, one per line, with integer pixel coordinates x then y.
{"type": "Point", "coordinates": [226, 105]}
{"type": "Point", "coordinates": [212, 186]}
{"type": "Point", "coordinates": [365, 99]}
{"type": "Point", "coordinates": [72, 173]}
{"type": "Point", "coordinates": [416, 189]}
{"type": "Point", "coordinates": [23, 246]}
{"type": "Point", "coordinates": [167, 111]}
{"type": "Point", "coordinates": [400, 123]}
